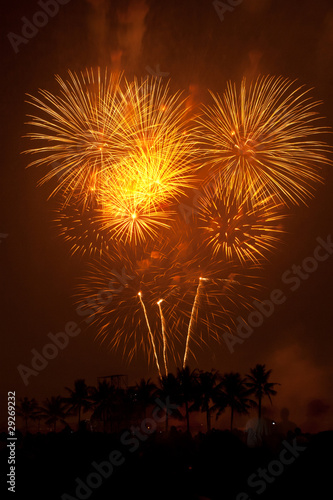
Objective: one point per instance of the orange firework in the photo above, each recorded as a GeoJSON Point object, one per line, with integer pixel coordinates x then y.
{"type": "Point", "coordinates": [122, 144]}
{"type": "Point", "coordinates": [137, 193]}
{"type": "Point", "coordinates": [121, 295]}
{"type": "Point", "coordinates": [78, 131]}
{"type": "Point", "coordinates": [264, 135]}
{"type": "Point", "coordinates": [81, 228]}
{"type": "Point", "coordinates": [127, 210]}
{"type": "Point", "coordinates": [240, 229]}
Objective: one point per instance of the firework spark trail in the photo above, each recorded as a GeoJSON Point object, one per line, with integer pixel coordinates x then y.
{"type": "Point", "coordinates": [194, 314]}
{"type": "Point", "coordinates": [163, 336]}
{"type": "Point", "coordinates": [150, 334]}
{"type": "Point", "coordinates": [153, 270]}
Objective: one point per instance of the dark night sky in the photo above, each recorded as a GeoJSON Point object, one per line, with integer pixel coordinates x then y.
{"type": "Point", "coordinates": [199, 51]}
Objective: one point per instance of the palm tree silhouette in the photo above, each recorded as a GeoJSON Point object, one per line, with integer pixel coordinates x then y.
{"type": "Point", "coordinates": [188, 390]}
{"type": "Point", "coordinates": [54, 410]}
{"type": "Point", "coordinates": [208, 391]}
{"type": "Point", "coordinates": [235, 395]}
{"type": "Point", "coordinates": [78, 399]}
{"type": "Point", "coordinates": [37, 416]}
{"type": "Point", "coordinates": [169, 388]}
{"type": "Point", "coordinates": [257, 382]}
{"type": "Point", "coordinates": [27, 408]}
{"type": "Point", "coordinates": [104, 402]}
{"type": "Point", "coordinates": [144, 394]}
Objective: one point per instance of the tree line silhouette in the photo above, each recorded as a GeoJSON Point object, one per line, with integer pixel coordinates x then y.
{"type": "Point", "coordinates": [209, 392]}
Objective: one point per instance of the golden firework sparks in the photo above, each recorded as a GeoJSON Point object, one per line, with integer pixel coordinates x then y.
{"type": "Point", "coordinates": [194, 314]}
{"type": "Point", "coordinates": [136, 194]}
{"type": "Point", "coordinates": [126, 211]}
{"type": "Point", "coordinates": [81, 228]}
{"type": "Point", "coordinates": [264, 135]}
{"type": "Point", "coordinates": [241, 229]}
{"type": "Point", "coordinates": [78, 131]}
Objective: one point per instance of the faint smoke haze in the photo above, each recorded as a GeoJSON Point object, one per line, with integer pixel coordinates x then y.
{"type": "Point", "coordinates": [117, 30]}
{"type": "Point", "coordinates": [303, 383]}
{"type": "Point", "coordinates": [131, 29]}
{"type": "Point", "coordinates": [99, 30]}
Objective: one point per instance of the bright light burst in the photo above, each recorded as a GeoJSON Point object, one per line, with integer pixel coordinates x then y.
{"type": "Point", "coordinates": [136, 195]}
{"type": "Point", "coordinates": [123, 143]}
{"type": "Point", "coordinates": [241, 229]}
{"type": "Point", "coordinates": [264, 135]}
{"type": "Point", "coordinates": [125, 212]}
{"type": "Point", "coordinates": [79, 131]}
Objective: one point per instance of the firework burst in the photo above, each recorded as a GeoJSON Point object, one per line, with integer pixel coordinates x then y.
{"type": "Point", "coordinates": [264, 136]}
{"type": "Point", "coordinates": [155, 117]}
{"type": "Point", "coordinates": [137, 194]}
{"type": "Point", "coordinates": [79, 131]}
{"type": "Point", "coordinates": [125, 214]}
{"type": "Point", "coordinates": [121, 292]}
{"type": "Point", "coordinates": [81, 229]}
{"type": "Point", "coordinates": [241, 229]}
